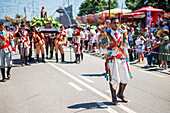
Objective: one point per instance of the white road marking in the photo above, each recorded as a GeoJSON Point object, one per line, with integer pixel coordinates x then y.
{"type": "Point", "coordinates": [107, 108]}
{"type": "Point", "coordinates": [88, 80]}
{"type": "Point", "coordinates": [75, 86]}
{"type": "Point", "coordinates": [92, 89]}
{"type": "Point", "coordinates": [151, 73]}
{"type": "Point", "coordinates": [107, 91]}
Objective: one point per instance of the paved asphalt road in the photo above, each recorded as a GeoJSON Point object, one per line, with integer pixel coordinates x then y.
{"type": "Point", "coordinates": [80, 88]}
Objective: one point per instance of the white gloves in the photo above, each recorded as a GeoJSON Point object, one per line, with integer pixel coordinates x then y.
{"type": "Point", "coordinates": [114, 53]}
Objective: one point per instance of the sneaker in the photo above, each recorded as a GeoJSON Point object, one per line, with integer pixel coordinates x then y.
{"type": "Point", "coordinates": [148, 65]}
{"type": "Point", "coordinates": [165, 68]}
{"type": "Point", "coordinates": [161, 68]}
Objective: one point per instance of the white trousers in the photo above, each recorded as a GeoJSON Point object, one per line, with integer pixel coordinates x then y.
{"type": "Point", "coordinates": [118, 73]}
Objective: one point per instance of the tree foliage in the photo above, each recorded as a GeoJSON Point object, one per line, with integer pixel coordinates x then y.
{"type": "Point", "coordinates": [94, 6]}
{"type": "Point", "coordinates": [137, 4]}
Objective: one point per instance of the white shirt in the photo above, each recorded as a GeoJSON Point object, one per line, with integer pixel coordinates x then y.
{"type": "Point", "coordinates": [130, 36]}
{"type": "Point", "coordinates": [82, 34]}
{"type": "Point", "coordinates": [69, 32]}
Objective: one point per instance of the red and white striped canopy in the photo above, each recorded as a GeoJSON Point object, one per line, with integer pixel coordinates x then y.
{"type": "Point", "coordinates": [149, 8]}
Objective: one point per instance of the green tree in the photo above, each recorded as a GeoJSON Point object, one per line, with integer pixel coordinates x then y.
{"type": "Point", "coordinates": [114, 4]}
{"type": "Point", "coordinates": [95, 6]}
{"type": "Point", "coordinates": [137, 4]}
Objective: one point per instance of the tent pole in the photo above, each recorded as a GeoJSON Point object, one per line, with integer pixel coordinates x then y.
{"type": "Point", "coordinates": [132, 21]}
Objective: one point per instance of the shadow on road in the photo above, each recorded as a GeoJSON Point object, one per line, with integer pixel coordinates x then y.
{"type": "Point", "coordinates": [87, 106]}
{"type": "Point", "coordinates": [93, 75]}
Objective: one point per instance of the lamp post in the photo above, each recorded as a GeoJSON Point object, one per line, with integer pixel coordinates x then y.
{"type": "Point", "coordinates": [62, 10]}
{"type": "Point", "coordinates": [109, 9]}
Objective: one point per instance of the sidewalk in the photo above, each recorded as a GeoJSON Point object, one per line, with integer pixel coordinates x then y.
{"type": "Point", "coordinates": [152, 68]}
{"type": "Point", "coordinates": [135, 63]}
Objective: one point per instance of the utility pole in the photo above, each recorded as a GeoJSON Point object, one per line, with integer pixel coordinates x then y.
{"type": "Point", "coordinates": [32, 8]}
{"type": "Point", "coordinates": [25, 10]}
{"type": "Point", "coordinates": [109, 9]}
{"type": "Point", "coordinates": [68, 3]}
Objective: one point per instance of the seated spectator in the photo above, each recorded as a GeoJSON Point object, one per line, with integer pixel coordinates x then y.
{"type": "Point", "coordinates": [154, 48]}
{"type": "Point", "coordinates": [164, 49]}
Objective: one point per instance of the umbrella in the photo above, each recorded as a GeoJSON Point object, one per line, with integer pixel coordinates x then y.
{"type": "Point", "coordinates": [116, 10]}
{"type": "Point", "coordinates": [167, 14]}
{"type": "Point", "coordinates": [149, 8]}
{"type": "Point", "coordinates": [134, 15]}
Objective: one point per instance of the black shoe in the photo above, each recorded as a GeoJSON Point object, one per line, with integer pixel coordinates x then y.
{"type": "Point", "coordinates": [27, 64]}
{"type": "Point", "coordinates": [51, 54]}
{"type": "Point", "coordinates": [62, 58]}
{"type": "Point", "coordinates": [3, 80]}
{"type": "Point", "coordinates": [26, 61]}
{"type": "Point", "coordinates": [56, 56]}
{"type": "Point", "coordinates": [43, 58]}
{"type": "Point", "coordinates": [3, 75]}
{"type": "Point", "coordinates": [8, 73]}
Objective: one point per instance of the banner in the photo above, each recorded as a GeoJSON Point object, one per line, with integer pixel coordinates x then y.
{"type": "Point", "coordinates": [148, 18]}
{"type": "Point", "coordinates": [16, 21]}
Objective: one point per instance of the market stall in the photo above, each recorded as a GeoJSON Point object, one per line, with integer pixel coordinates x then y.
{"type": "Point", "coordinates": [133, 15]}
{"type": "Point", "coordinates": [151, 14]}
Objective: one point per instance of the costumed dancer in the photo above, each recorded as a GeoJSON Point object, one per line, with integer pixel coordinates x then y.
{"type": "Point", "coordinates": [117, 68]}
{"type": "Point", "coordinates": [76, 44]}
{"type": "Point", "coordinates": [24, 44]}
{"type": "Point", "coordinates": [60, 42]}
{"type": "Point", "coordinates": [6, 47]}
{"type": "Point", "coordinates": [39, 43]}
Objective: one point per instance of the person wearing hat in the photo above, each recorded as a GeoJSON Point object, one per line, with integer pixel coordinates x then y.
{"type": "Point", "coordinates": [24, 44]}
{"type": "Point", "coordinates": [165, 26]}
{"type": "Point", "coordinates": [76, 43]}
{"type": "Point", "coordinates": [116, 65]}
{"type": "Point", "coordinates": [6, 48]}
{"type": "Point", "coordinates": [39, 43]}
{"type": "Point", "coordinates": [43, 13]}
{"type": "Point", "coordinates": [60, 42]}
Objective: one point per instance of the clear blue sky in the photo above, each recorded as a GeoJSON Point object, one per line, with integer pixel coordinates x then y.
{"type": "Point", "coordinates": [11, 7]}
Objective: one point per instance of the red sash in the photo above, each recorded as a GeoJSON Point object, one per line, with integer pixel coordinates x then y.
{"type": "Point", "coordinates": [111, 47]}
{"type": "Point", "coordinates": [5, 45]}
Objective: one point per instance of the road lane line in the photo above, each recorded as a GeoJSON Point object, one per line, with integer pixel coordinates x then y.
{"type": "Point", "coordinates": [107, 91]}
{"type": "Point", "coordinates": [151, 73]}
{"type": "Point", "coordinates": [75, 86]}
{"type": "Point", "coordinates": [88, 80]}
{"type": "Point", "coordinates": [107, 108]}
{"type": "Point", "coordinates": [92, 88]}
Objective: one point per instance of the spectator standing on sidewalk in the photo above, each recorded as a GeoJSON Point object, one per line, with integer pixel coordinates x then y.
{"type": "Point", "coordinates": [164, 49]}
{"type": "Point", "coordinates": [140, 46]}
{"type": "Point", "coordinates": [130, 39]}
{"type": "Point", "coordinates": [154, 48]}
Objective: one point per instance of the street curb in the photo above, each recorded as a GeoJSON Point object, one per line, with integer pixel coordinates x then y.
{"type": "Point", "coordinates": [157, 71]}
{"type": "Point", "coordinates": [92, 54]}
